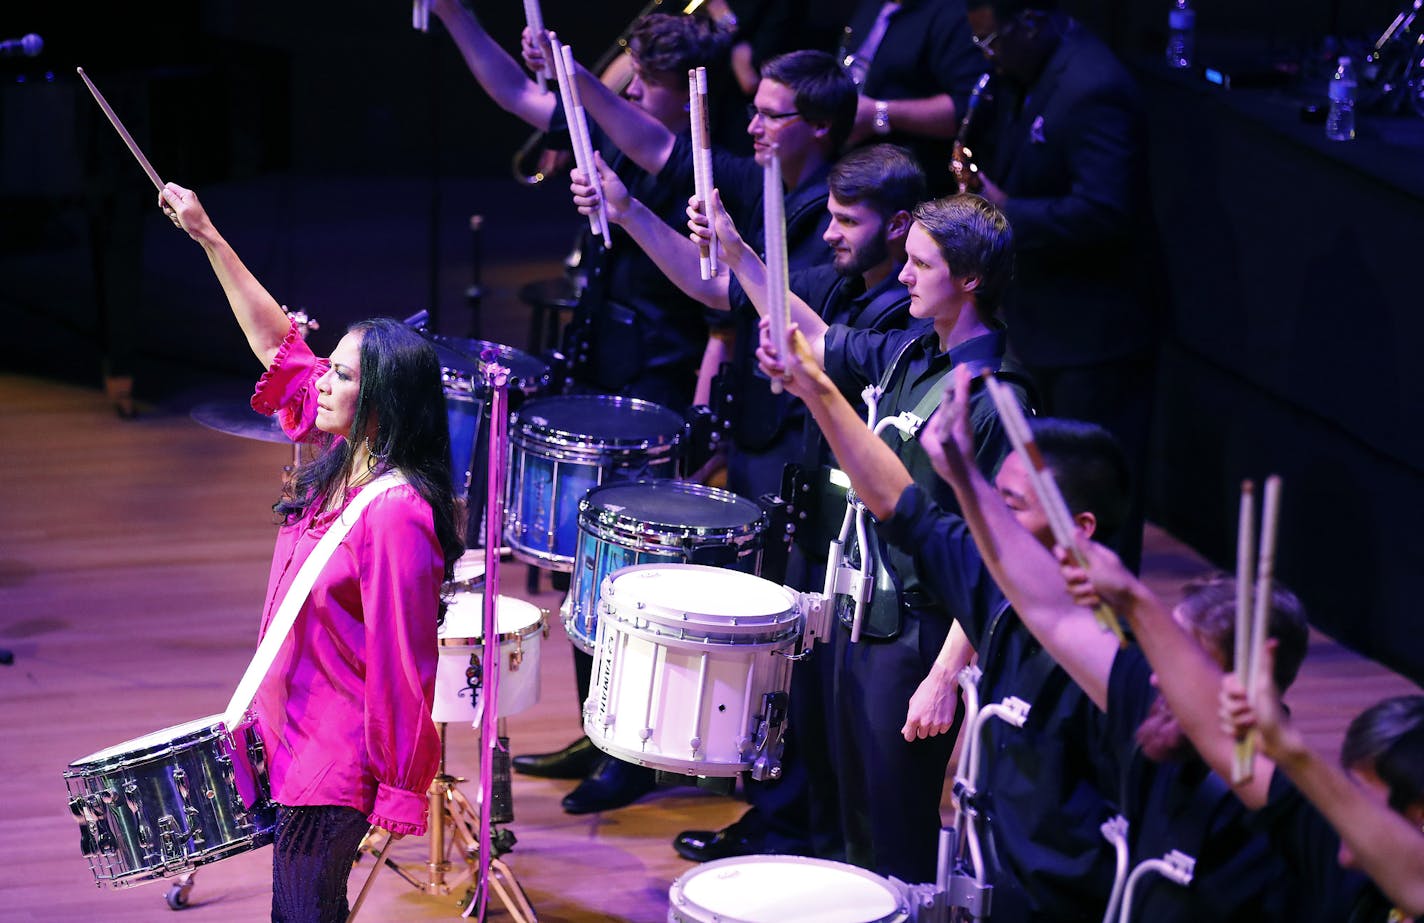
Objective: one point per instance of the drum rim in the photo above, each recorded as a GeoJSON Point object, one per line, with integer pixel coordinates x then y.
{"type": "Point", "coordinates": [521, 427]}
{"type": "Point", "coordinates": [782, 623]}
{"type": "Point", "coordinates": [603, 515]}
{"type": "Point", "coordinates": [212, 727]}
{"type": "Point", "coordinates": [521, 634]}
{"type": "Point", "coordinates": [676, 892]}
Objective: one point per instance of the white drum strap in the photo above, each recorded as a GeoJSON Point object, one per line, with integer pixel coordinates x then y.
{"type": "Point", "coordinates": [296, 596]}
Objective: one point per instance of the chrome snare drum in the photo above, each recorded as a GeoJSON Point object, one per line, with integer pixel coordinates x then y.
{"type": "Point", "coordinates": [652, 522]}
{"type": "Point", "coordinates": [691, 668]}
{"type": "Point", "coordinates": [170, 801]}
{"type": "Point", "coordinates": [561, 447]}
{"type": "Point", "coordinates": [521, 632]}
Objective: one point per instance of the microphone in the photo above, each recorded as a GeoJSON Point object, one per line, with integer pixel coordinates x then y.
{"type": "Point", "coordinates": [29, 46]}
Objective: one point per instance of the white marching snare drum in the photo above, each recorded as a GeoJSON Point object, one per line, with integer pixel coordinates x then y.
{"type": "Point", "coordinates": [165, 803]}
{"type": "Point", "coordinates": [469, 572]}
{"type": "Point", "coordinates": [457, 677]}
{"type": "Point", "coordinates": [784, 889]}
{"type": "Point", "coordinates": [690, 663]}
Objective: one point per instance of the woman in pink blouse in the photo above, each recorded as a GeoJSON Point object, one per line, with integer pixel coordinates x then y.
{"type": "Point", "coordinates": [344, 711]}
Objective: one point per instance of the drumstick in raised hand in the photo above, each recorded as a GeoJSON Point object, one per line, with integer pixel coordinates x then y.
{"type": "Point", "coordinates": [565, 70]}
{"type": "Point", "coordinates": [1265, 577]}
{"type": "Point", "coordinates": [702, 163]}
{"type": "Point", "coordinates": [534, 18]}
{"type": "Point", "coordinates": [123, 132]}
{"type": "Point", "coordinates": [1245, 531]}
{"type": "Point", "coordinates": [1055, 509]}
{"type": "Point", "coordinates": [777, 284]}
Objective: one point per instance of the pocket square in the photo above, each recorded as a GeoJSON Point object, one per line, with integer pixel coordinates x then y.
{"type": "Point", "coordinates": [1035, 131]}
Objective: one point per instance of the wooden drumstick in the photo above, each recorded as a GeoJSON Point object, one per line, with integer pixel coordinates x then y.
{"type": "Point", "coordinates": [702, 163]}
{"type": "Point", "coordinates": [123, 132]}
{"type": "Point", "coordinates": [1265, 576]}
{"type": "Point", "coordinates": [774, 225]}
{"type": "Point", "coordinates": [1245, 542]}
{"type": "Point", "coordinates": [1055, 509]}
{"type": "Point", "coordinates": [534, 18]}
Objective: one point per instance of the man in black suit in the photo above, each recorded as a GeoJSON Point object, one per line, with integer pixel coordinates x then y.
{"type": "Point", "coordinates": [1063, 154]}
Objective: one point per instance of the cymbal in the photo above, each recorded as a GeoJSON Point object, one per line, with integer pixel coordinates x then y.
{"type": "Point", "coordinates": [239, 419]}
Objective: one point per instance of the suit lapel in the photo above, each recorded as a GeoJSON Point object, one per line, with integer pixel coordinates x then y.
{"type": "Point", "coordinates": [1041, 95]}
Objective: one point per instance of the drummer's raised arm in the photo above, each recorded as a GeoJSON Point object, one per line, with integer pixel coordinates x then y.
{"type": "Point", "coordinates": [672, 252]}
{"type": "Point", "coordinates": [750, 270]}
{"type": "Point", "coordinates": [262, 319]}
{"type": "Point", "coordinates": [646, 141]}
{"type": "Point", "coordinates": [497, 72]}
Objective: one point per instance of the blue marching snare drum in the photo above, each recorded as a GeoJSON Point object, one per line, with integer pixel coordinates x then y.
{"type": "Point", "coordinates": [562, 447]}
{"type": "Point", "coordinates": [656, 522]}
{"type": "Point", "coordinates": [466, 400]}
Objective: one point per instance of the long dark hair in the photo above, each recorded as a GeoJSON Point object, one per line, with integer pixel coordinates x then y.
{"type": "Point", "coordinates": [400, 386]}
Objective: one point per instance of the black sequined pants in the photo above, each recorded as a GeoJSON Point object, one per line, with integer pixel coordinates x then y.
{"type": "Point", "coordinates": [312, 853]}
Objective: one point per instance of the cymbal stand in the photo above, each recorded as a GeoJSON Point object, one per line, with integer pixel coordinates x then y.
{"type": "Point", "coordinates": [493, 872]}
{"type": "Point", "coordinates": [454, 819]}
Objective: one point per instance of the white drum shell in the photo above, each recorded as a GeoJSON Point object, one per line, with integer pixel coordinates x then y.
{"type": "Point", "coordinates": [684, 656]}
{"type": "Point", "coordinates": [784, 889]}
{"type": "Point", "coordinates": [521, 631]}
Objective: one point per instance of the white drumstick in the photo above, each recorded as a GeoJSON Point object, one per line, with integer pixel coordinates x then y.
{"type": "Point", "coordinates": [774, 225]}
{"type": "Point", "coordinates": [1245, 545]}
{"type": "Point", "coordinates": [534, 18]}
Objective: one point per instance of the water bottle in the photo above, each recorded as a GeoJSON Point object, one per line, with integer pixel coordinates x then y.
{"type": "Point", "coordinates": [1181, 34]}
{"type": "Point", "coordinates": [1340, 123]}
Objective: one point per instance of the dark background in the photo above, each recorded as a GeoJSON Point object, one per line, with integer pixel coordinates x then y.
{"type": "Point", "coordinates": [342, 153]}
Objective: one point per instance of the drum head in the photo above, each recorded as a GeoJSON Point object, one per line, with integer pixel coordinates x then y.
{"type": "Point", "coordinates": [681, 505]}
{"type": "Point", "coordinates": [157, 740]}
{"type": "Point", "coordinates": [694, 589]}
{"type": "Point", "coordinates": [784, 889]}
{"type": "Point", "coordinates": [465, 619]}
{"type": "Point", "coordinates": [598, 419]}
{"type": "Point", "coordinates": [470, 566]}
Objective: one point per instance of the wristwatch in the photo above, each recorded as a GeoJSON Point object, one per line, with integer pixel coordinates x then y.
{"type": "Point", "coordinates": [882, 117]}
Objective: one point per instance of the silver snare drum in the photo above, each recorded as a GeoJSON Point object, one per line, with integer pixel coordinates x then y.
{"type": "Point", "coordinates": [168, 802]}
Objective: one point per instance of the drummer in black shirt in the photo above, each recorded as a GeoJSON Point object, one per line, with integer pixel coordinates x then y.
{"type": "Point", "coordinates": [1169, 796]}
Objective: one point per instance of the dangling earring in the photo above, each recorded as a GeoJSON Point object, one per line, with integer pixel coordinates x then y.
{"type": "Point", "coordinates": [374, 455]}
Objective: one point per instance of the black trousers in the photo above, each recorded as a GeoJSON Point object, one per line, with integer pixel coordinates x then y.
{"type": "Point", "coordinates": [312, 853]}
{"type": "Point", "coordinates": [890, 789]}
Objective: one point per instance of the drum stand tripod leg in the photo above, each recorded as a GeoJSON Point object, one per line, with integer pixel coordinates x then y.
{"type": "Point", "coordinates": [366, 888]}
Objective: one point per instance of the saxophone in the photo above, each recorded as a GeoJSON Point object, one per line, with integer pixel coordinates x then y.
{"type": "Point", "coordinates": [961, 159]}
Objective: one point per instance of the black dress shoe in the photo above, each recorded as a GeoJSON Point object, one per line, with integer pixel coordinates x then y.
{"type": "Point", "coordinates": [572, 762]}
{"type": "Point", "coordinates": [612, 784]}
{"type": "Point", "coordinates": [706, 845]}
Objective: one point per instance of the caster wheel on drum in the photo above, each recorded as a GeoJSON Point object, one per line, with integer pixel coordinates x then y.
{"type": "Point", "coordinates": [177, 896]}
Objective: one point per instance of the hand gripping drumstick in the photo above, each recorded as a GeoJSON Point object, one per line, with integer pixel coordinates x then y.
{"type": "Point", "coordinates": [1255, 639]}
{"type": "Point", "coordinates": [534, 18]}
{"type": "Point", "coordinates": [774, 228]}
{"type": "Point", "coordinates": [567, 74]}
{"type": "Point", "coordinates": [1060, 520]}
{"type": "Point", "coordinates": [123, 132]}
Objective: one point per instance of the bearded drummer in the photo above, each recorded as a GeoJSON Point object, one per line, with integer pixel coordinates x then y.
{"type": "Point", "coordinates": [345, 710]}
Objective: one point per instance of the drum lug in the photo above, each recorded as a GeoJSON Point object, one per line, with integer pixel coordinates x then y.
{"type": "Point", "coordinates": [516, 656]}
{"type": "Point", "coordinates": [169, 841]}
{"type": "Point", "coordinates": [766, 763]}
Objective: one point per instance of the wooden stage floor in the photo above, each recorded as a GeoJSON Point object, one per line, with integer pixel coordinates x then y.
{"type": "Point", "coordinates": [133, 559]}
